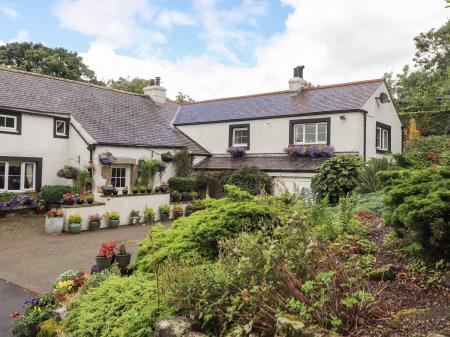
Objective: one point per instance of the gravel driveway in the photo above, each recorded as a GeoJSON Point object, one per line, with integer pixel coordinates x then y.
{"type": "Point", "coordinates": [33, 260]}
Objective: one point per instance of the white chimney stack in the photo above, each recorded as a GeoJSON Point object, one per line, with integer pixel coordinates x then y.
{"type": "Point", "coordinates": [156, 93]}
{"type": "Point", "coordinates": [297, 83]}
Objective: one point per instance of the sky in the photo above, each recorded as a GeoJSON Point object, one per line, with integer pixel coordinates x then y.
{"type": "Point", "coordinates": [218, 48]}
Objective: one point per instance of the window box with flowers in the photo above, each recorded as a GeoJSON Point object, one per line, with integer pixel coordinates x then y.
{"type": "Point", "coordinates": [236, 151]}
{"type": "Point", "coordinates": [105, 255]}
{"type": "Point", "coordinates": [312, 151]}
{"type": "Point", "coordinates": [54, 221]}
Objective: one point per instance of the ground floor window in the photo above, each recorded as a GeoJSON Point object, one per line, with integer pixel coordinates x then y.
{"type": "Point", "coordinates": [17, 175]}
{"type": "Point", "coordinates": [119, 176]}
{"type": "Point", "coordinates": [383, 137]}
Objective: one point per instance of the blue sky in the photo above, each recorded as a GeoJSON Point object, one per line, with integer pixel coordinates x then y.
{"type": "Point", "coordinates": [215, 48]}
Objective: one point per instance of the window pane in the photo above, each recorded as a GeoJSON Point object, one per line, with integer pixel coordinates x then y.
{"type": "Point", "coordinates": [378, 138]}
{"type": "Point", "coordinates": [322, 127]}
{"type": "Point", "coordinates": [10, 122]}
{"type": "Point", "coordinates": [385, 140]}
{"type": "Point", "coordinates": [2, 175]}
{"type": "Point", "coordinates": [240, 136]}
{"type": "Point", "coordinates": [29, 176]}
{"type": "Point", "coordinates": [15, 170]}
{"type": "Point", "coordinates": [118, 177]}
{"type": "Point", "coordinates": [61, 127]}
{"type": "Point", "coordinates": [310, 133]}
{"type": "Point", "coordinates": [298, 133]}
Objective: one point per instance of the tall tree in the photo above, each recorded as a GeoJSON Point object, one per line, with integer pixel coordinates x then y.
{"type": "Point", "coordinates": [135, 85]}
{"type": "Point", "coordinates": [426, 86]}
{"type": "Point", "coordinates": [35, 57]}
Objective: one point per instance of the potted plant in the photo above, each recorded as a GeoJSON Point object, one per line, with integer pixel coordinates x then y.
{"type": "Point", "coordinates": [94, 222]}
{"type": "Point", "coordinates": [188, 209]}
{"type": "Point", "coordinates": [175, 196]}
{"type": "Point", "coordinates": [157, 189]}
{"type": "Point", "coordinates": [115, 191]}
{"type": "Point", "coordinates": [236, 151]}
{"type": "Point", "coordinates": [161, 168]}
{"type": "Point", "coordinates": [113, 219]}
{"type": "Point", "coordinates": [164, 187]}
{"type": "Point", "coordinates": [123, 258]}
{"type": "Point", "coordinates": [149, 215]}
{"type": "Point", "coordinates": [125, 190]}
{"type": "Point", "coordinates": [79, 198]}
{"type": "Point", "coordinates": [198, 205]}
{"type": "Point", "coordinates": [135, 217]}
{"type": "Point", "coordinates": [177, 211]}
{"type": "Point", "coordinates": [167, 157]}
{"type": "Point", "coordinates": [106, 158]}
{"type": "Point", "coordinates": [105, 254]}
{"type": "Point", "coordinates": [108, 190]}
{"type": "Point", "coordinates": [68, 172]}
{"type": "Point", "coordinates": [68, 198]}
{"type": "Point", "coordinates": [54, 221]}
{"type": "Point", "coordinates": [149, 188]}
{"type": "Point", "coordinates": [90, 198]}
{"type": "Point", "coordinates": [164, 212]}
{"type": "Point", "coordinates": [142, 189]}
{"type": "Point", "coordinates": [134, 190]}
{"type": "Point", "coordinates": [74, 224]}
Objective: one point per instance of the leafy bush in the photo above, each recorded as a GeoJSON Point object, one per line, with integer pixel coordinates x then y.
{"type": "Point", "coordinates": [183, 163]}
{"type": "Point", "coordinates": [429, 122]}
{"type": "Point", "coordinates": [421, 148]}
{"type": "Point", "coordinates": [200, 233]}
{"type": "Point", "coordinates": [183, 184]}
{"type": "Point", "coordinates": [371, 202]}
{"type": "Point", "coordinates": [337, 177]}
{"type": "Point", "coordinates": [250, 179]}
{"type": "Point", "coordinates": [368, 181]}
{"type": "Point", "coordinates": [118, 306]}
{"type": "Point", "coordinates": [418, 207]}
{"type": "Point", "coordinates": [53, 194]}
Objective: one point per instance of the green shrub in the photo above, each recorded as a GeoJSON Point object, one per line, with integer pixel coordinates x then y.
{"type": "Point", "coordinates": [371, 202]}
{"type": "Point", "coordinates": [418, 207]}
{"type": "Point", "coordinates": [337, 177]}
{"type": "Point", "coordinates": [429, 122]}
{"type": "Point", "coordinates": [52, 194]}
{"type": "Point", "coordinates": [200, 233]}
{"type": "Point", "coordinates": [420, 149]}
{"type": "Point", "coordinates": [183, 163]}
{"type": "Point", "coordinates": [119, 306]}
{"type": "Point", "coordinates": [368, 181]}
{"type": "Point", "coordinates": [250, 179]}
{"type": "Point", "coordinates": [183, 184]}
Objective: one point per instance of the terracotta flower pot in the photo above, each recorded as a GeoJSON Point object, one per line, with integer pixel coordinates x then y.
{"type": "Point", "coordinates": [123, 260]}
{"type": "Point", "coordinates": [103, 262]}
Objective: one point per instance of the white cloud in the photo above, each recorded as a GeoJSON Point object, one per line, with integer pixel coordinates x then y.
{"type": "Point", "coordinates": [116, 23]}
{"type": "Point", "coordinates": [168, 19]}
{"type": "Point", "coordinates": [337, 41]}
{"type": "Point", "coordinates": [9, 10]}
{"type": "Point", "coordinates": [21, 36]}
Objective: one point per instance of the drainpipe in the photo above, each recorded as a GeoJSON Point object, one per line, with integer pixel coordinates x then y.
{"type": "Point", "coordinates": [365, 135]}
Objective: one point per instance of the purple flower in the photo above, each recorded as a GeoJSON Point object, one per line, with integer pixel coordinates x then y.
{"type": "Point", "coordinates": [236, 151]}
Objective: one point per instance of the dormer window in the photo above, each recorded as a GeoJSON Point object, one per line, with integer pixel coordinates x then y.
{"type": "Point", "coordinates": [10, 122]}
{"type": "Point", "coordinates": [240, 136]}
{"type": "Point", "coordinates": [61, 128]}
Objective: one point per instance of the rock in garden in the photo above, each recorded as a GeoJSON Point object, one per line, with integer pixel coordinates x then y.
{"type": "Point", "coordinates": [174, 326]}
{"type": "Point", "coordinates": [194, 334]}
{"type": "Point", "coordinates": [61, 312]}
{"type": "Point", "coordinates": [397, 320]}
{"type": "Point", "coordinates": [288, 327]}
{"type": "Point", "coordinates": [385, 273]}
{"type": "Point", "coordinates": [439, 334]}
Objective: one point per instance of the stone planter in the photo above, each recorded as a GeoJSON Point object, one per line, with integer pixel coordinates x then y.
{"type": "Point", "coordinates": [103, 262]}
{"type": "Point", "coordinates": [93, 226]}
{"type": "Point", "coordinates": [74, 228]}
{"type": "Point", "coordinates": [54, 225]}
{"type": "Point", "coordinates": [114, 223]}
{"type": "Point", "coordinates": [123, 260]}
{"type": "Point", "coordinates": [164, 217]}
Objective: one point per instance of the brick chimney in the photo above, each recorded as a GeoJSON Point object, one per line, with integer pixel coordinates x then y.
{"type": "Point", "coordinates": [156, 93]}
{"type": "Point", "coordinates": [297, 83]}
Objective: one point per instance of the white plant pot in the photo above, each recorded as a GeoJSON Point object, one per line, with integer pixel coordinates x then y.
{"type": "Point", "coordinates": [54, 225]}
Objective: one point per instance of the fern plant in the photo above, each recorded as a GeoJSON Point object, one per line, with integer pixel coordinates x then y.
{"type": "Point", "coordinates": [368, 181]}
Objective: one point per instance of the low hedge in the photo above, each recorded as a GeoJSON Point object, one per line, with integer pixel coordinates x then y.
{"type": "Point", "coordinates": [183, 184]}
{"type": "Point", "coordinates": [54, 193]}
{"type": "Point", "coordinates": [429, 123]}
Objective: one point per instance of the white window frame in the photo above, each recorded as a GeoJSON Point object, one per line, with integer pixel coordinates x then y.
{"type": "Point", "coordinates": [9, 129]}
{"type": "Point", "coordinates": [61, 134]}
{"type": "Point", "coordinates": [22, 177]}
{"type": "Point", "coordinates": [382, 139]}
{"type": "Point", "coordinates": [234, 137]}
{"type": "Point", "coordinates": [127, 175]}
{"type": "Point", "coordinates": [316, 141]}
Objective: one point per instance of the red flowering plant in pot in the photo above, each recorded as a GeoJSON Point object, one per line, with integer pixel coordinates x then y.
{"type": "Point", "coordinates": [105, 255]}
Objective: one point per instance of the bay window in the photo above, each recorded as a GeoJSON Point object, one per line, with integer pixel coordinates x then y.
{"type": "Point", "coordinates": [17, 176]}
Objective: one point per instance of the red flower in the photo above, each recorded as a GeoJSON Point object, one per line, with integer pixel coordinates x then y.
{"type": "Point", "coordinates": [14, 314]}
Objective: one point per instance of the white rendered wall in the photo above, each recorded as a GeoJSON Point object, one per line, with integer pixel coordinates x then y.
{"type": "Point", "coordinates": [292, 182]}
{"type": "Point", "coordinates": [386, 114]}
{"type": "Point", "coordinates": [272, 135]}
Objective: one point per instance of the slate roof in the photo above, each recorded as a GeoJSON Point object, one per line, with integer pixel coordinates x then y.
{"type": "Point", "coordinates": [108, 116]}
{"type": "Point", "coordinates": [264, 162]}
{"type": "Point", "coordinates": [340, 97]}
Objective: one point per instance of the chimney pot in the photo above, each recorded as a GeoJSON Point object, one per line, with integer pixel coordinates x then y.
{"type": "Point", "coordinates": [297, 83]}
{"type": "Point", "coordinates": [157, 81]}
{"type": "Point", "coordinates": [298, 71]}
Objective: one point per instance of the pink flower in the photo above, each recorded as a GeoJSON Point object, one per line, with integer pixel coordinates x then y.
{"type": "Point", "coordinates": [14, 314]}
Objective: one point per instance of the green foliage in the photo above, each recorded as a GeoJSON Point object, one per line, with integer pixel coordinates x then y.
{"type": "Point", "coordinates": [147, 171]}
{"type": "Point", "coordinates": [183, 163]}
{"type": "Point", "coordinates": [371, 203]}
{"type": "Point", "coordinates": [119, 306]}
{"type": "Point", "coordinates": [135, 85]}
{"type": "Point", "coordinates": [418, 207]}
{"type": "Point", "coordinates": [430, 123]}
{"type": "Point", "coordinates": [50, 328]}
{"type": "Point", "coordinates": [200, 233]}
{"type": "Point", "coordinates": [83, 180]}
{"type": "Point", "coordinates": [74, 219]}
{"type": "Point", "coordinates": [183, 98]}
{"type": "Point", "coordinates": [337, 177]}
{"type": "Point", "coordinates": [183, 184]}
{"type": "Point", "coordinates": [250, 179]}
{"type": "Point", "coordinates": [52, 194]}
{"type": "Point", "coordinates": [164, 209]}
{"type": "Point", "coordinates": [37, 58]}
{"type": "Point", "coordinates": [368, 181]}
{"type": "Point", "coordinates": [421, 147]}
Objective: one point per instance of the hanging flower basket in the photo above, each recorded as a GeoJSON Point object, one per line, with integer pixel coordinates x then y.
{"type": "Point", "coordinates": [236, 151]}
{"type": "Point", "coordinates": [68, 172]}
{"type": "Point", "coordinates": [106, 158]}
{"type": "Point", "coordinates": [167, 157]}
{"type": "Point", "coordinates": [312, 151]}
